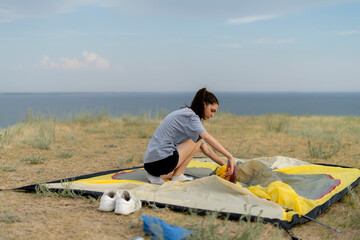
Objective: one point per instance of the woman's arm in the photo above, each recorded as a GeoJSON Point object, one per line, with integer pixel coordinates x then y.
{"type": "Point", "coordinates": [218, 147]}
{"type": "Point", "coordinates": [210, 153]}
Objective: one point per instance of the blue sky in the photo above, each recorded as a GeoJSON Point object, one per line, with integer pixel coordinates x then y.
{"type": "Point", "coordinates": [144, 45]}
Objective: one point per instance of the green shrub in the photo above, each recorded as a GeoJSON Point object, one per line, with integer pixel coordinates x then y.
{"type": "Point", "coordinates": [64, 155]}
{"type": "Point", "coordinates": [43, 135]}
{"type": "Point", "coordinates": [33, 160]}
{"type": "Point", "coordinates": [7, 217]}
{"type": "Point", "coordinates": [277, 123]}
{"type": "Point", "coordinates": [210, 228]}
{"type": "Point", "coordinates": [7, 168]}
{"type": "Point", "coordinates": [324, 149]}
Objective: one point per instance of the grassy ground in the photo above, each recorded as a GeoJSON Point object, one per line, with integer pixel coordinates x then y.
{"type": "Point", "coordinates": [43, 149]}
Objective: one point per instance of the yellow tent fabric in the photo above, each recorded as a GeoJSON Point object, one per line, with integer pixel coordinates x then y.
{"type": "Point", "coordinates": [261, 188]}
{"type": "Point", "coordinates": [337, 179]}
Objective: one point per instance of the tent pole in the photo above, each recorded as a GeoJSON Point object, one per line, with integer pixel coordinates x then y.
{"type": "Point", "coordinates": [312, 219]}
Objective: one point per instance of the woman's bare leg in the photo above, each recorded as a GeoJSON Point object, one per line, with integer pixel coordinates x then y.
{"type": "Point", "coordinates": [167, 176]}
{"type": "Point", "coordinates": [187, 151]}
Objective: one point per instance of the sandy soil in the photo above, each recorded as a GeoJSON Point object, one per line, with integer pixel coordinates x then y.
{"type": "Point", "coordinates": [108, 145]}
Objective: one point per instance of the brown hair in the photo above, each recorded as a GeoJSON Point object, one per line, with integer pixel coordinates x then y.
{"type": "Point", "coordinates": [202, 96]}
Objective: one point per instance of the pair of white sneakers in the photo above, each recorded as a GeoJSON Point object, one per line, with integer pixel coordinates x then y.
{"type": "Point", "coordinates": [121, 203]}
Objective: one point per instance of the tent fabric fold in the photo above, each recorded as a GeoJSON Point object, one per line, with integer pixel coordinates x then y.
{"type": "Point", "coordinates": [261, 187]}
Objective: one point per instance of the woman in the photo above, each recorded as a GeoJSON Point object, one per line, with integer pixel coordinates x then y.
{"type": "Point", "coordinates": [178, 138]}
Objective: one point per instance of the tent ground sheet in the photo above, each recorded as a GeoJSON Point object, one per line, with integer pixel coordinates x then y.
{"type": "Point", "coordinates": [262, 188]}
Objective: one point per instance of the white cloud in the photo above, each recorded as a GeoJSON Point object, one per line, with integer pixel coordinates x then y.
{"type": "Point", "coordinates": [91, 61]}
{"type": "Point", "coordinates": [8, 15]}
{"type": "Point", "coordinates": [250, 19]}
{"type": "Point", "coordinates": [351, 32]}
{"type": "Point", "coordinates": [99, 62]}
{"type": "Point", "coordinates": [11, 10]}
{"type": "Point", "coordinates": [259, 41]}
{"type": "Point", "coordinates": [46, 62]}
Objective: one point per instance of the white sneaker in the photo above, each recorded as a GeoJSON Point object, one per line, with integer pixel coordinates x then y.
{"type": "Point", "coordinates": [107, 200]}
{"type": "Point", "coordinates": [127, 203]}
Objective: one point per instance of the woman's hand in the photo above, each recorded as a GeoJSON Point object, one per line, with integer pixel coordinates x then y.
{"type": "Point", "coordinates": [230, 166]}
{"type": "Point", "coordinates": [218, 147]}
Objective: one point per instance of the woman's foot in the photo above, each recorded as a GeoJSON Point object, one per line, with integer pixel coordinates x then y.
{"type": "Point", "coordinates": [154, 179]}
{"type": "Point", "coordinates": [182, 177]}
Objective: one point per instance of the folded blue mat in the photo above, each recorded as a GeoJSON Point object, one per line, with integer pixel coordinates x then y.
{"type": "Point", "coordinates": [159, 229]}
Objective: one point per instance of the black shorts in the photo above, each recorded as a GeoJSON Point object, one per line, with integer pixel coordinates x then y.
{"type": "Point", "coordinates": [164, 166]}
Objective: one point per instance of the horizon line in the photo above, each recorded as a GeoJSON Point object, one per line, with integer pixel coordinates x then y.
{"type": "Point", "coordinates": [137, 92]}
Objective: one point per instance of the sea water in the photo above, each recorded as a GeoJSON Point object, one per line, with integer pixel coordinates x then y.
{"type": "Point", "coordinates": [14, 106]}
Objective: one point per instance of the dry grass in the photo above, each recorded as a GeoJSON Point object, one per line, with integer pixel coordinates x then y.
{"type": "Point", "coordinates": [43, 149]}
